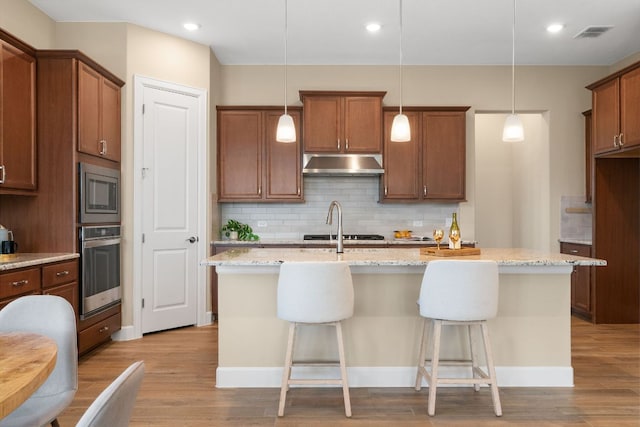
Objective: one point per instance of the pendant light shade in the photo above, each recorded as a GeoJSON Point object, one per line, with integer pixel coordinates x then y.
{"type": "Point", "coordinates": [400, 129]}
{"type": "Point", "coordinates": [286, 131]}
{"type": "Point", "coordinates": [513, 130]}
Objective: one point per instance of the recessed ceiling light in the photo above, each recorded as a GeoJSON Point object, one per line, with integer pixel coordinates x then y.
{"type": "Point", "coordinates": [555, 28]}
{"type": "Point", "coordinates": [191, 26]}
{"type": "Point", "coordinates": [373, 27]}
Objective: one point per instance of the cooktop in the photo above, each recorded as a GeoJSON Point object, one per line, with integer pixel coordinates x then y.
{"type": "Point", "coordinates": [344, 236]}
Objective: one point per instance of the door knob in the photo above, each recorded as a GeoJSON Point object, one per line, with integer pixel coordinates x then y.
{"type": "Point", "coordinates": [193, 239]}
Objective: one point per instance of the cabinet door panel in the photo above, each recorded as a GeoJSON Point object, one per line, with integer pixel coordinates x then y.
{"type": "Point", "coordinates": [110, 124]}
{"type": "Point", "coordinates": [239, 155]}
{"type": "Point", "coordinates": [68, 292]}
{"type": "Point", "coordinates": [443, 157]}
{"type": "Point", "coordinates": [88, 110]}
{"type": "Point", "coordinates": [363, 124]}
{"type": "Point", "coordinates": [322, 124]}
{"type": "Point", "coordinates": [606, 113]}
{"type": "Point", "coordinates": [17, 105]}
{"type": "Point", "coordinates": [402, 161]}
{"type": "Point", "coordinates": [581, 302]}
{"type": "Point", "coordinates": [630, 108]}
{"type": "Point", "coordinates": [282, 161]}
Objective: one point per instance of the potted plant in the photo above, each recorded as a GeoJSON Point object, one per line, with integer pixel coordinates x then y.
{"type": "Point", "coordinates": [235, 230]}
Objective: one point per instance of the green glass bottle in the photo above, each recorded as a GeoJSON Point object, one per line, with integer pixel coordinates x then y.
{"type": "Point", "coordinates": [454, 233]}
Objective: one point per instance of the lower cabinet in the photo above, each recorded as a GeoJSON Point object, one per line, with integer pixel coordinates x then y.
{"type": "Point", "coordinates": [61, 279]}
{"type": "Point", "coordinates": [97, 329]}
{"type": "Point", "coordinates": [581, 283]}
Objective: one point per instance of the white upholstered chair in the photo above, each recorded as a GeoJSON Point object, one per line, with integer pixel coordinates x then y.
{"type": "Point", "coordinates": [458, 292]}
{"type": "Point", "coordinates": [314, 293]}
{"type": "Point", "coordinates": [113, 407]}
{"type": "Point", "coordinates": [53, 317]}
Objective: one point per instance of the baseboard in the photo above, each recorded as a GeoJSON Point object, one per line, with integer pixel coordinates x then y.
{"type": "Point", "coordinates": [126, 333]}
{"type": "Point", "coordinates": [509, 376]}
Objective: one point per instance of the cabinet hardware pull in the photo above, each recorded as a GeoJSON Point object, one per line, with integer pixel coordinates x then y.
{"type": "Point", "coordinates": [20, 282]}
{"type": "Point", "coordinates": [620, 142]}
{"type": "Point", "coordinates": [62, 273]}
{"type": "Point", "coordinates": [103, 147]}
{"type": "Point", "coordinates": [385, 190]}
{"type": "Point", "coordinates": [4, 171]}
{"type": "Point", "coordinates": [574, 251]}
{"type": "Point", "coordinates": [424, 190]}
{"type": "Point", "coordinates": [260, 191]}
{"type": "Point", "coordinates": [103, 329]}
{"type": "Point", "coordinates": [615, 141]}
{"type": "Point", "coordinates": [338, 144]}
{"type": "Point", "coordinates": [346, 144]}
{"type": "Point", "coordinates": [298, 191]}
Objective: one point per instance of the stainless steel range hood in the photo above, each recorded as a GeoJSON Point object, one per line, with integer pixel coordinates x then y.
{"type": "Point", "coordinates": [342, 164]}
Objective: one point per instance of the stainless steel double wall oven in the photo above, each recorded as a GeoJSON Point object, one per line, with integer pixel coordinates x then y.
{"type": "Point", "coordinates": [99, 238]}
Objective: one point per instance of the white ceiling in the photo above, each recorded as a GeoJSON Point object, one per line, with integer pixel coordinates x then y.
{"type": "Point", "coordinates": [438, 32]}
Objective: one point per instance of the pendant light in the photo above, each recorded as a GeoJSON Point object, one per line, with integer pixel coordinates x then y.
{"type": "Point", "coordinates": [513, 131]}
{"type": "Point", "coordinates": [400, 129]}
{"type": "Point", "coordinates": [286, 131]}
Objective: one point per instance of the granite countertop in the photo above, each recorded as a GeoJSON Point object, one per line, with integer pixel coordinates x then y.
{"type": "Point", "coordinates": [21, 260]}
{"type": "Point", "coordinates": [575, 241]}
{"type": "Point", "coordinates": [284, 242]}
{"type": "Point", "coordinates": [389, 257]}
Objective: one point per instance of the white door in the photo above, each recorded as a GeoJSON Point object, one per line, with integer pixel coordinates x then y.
{"type": "Point", "coordinates": [169, 210]}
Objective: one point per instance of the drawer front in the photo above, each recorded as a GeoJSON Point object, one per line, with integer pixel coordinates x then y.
{"type": "Point", "coordinates": [19, 282]}
{"type": "Point", "coordinates": [98, 333]}
{"type": "Point", "coordinates": [575, 249]}
{"type": "Point", "coordinates": [58, 274]}
{"type": "Point", "coordinates": [67, 291]}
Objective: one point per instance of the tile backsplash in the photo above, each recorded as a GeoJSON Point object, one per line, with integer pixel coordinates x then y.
{"type": "Point", "coordinates": [576, 218]}
{"type": "Point", "coordinates": [361, 212]}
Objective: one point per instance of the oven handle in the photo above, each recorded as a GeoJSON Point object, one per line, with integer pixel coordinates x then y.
{"type": "Point", "coordinates": [100, 242]}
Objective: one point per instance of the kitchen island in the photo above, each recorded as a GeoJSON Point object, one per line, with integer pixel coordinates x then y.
{"type": "Point", "coordinates": [531, 336]}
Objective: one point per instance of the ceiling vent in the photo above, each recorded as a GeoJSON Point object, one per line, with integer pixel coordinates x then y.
{"type": "Point", "coordinates": [592, 32]}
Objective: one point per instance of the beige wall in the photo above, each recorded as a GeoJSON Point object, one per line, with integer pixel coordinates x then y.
{"type": "Point", "coordinates": [512, 184]}
{"type": "Point", "coordinates": [214, 99]}
{"type": "Point", "coordinates": [28, 23]}
{"type": "Point", "coordinates": [624, 62]}
{"type": "Point", "coordinates": [105, 43]}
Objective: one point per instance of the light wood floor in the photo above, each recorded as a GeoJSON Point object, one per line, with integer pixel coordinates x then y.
{"type": "Point", "coordinates": [179, 389]}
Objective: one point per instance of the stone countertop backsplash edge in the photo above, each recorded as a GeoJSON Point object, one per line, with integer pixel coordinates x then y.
{"type": "Point", "coordinates": [22, 260]}
{"type": "Point", "coordinates": [576, 241]}
{"type": "Point", "coordinates": [398, 242]}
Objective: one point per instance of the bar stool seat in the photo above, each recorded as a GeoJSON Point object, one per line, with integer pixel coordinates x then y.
{"type": "Point", "coordinates": [458, 292]}
{"type": "Point", "coordinates": [314, 293]}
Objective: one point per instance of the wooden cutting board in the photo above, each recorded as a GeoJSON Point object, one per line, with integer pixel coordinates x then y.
{"type": "Point", "coordinates": [449, 252]}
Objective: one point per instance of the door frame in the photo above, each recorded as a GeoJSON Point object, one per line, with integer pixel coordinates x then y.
{"type": "Point", "coordinates": [140, 83]}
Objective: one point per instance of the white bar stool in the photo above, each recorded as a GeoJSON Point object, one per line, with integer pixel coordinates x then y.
{"type": "Point", "coordinates": [458, 292]}
{"type": "Point", "coordinates": [315, 293]}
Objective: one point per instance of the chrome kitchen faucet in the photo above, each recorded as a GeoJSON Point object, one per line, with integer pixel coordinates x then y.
{"type": "Point", "coordinates": [340, 246]}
